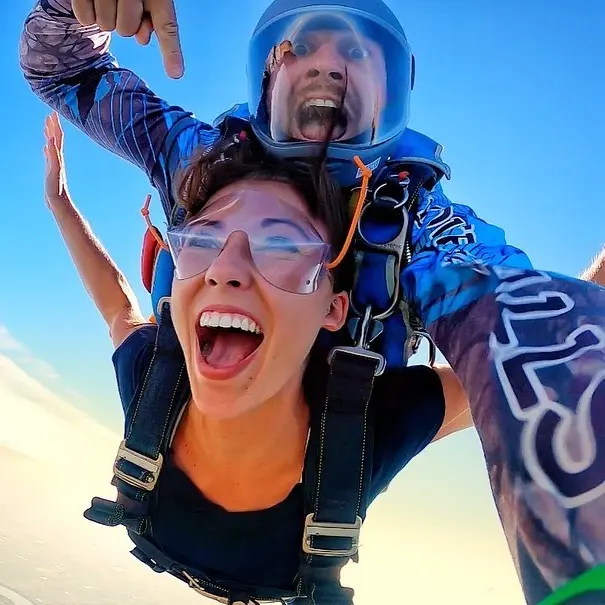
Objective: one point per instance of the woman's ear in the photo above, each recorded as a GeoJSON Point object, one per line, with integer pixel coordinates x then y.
{"type": "Point", "coordinates": [337, 313]}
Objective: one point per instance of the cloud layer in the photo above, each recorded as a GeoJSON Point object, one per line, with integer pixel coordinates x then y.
{"type": "Point", "coordinates": [37, 420]}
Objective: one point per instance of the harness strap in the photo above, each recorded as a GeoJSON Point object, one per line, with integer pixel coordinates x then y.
{"type": "Point", "coordinates": [382, 249]}
{"type": "Point", "coordinates": [150, 421]}
{"type": "Point", "coordinates": [337, 478]}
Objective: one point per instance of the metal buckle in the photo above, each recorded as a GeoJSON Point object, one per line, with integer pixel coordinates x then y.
{"type": "Point", "coordinates": [361, 345]}
{"type": "Point", "coordinates": [331, 530]}
{"type": "Point", "coordinates": [199, 589]}
{"type": "Point", "coordinates": [144, 462]}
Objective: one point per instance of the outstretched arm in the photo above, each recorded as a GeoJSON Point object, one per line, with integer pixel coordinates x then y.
{"type": "Point", "coordinates": [70, 68]}
{"type": "Point", "coordinates": [457, 411]}
{"type": "Point", "coordinates": [105, 283]}
{"type": "Point", "coordinates": [596, 271]}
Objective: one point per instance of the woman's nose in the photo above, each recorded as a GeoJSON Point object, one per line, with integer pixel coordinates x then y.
{"type": "Point", "coordinates": [233, 266]}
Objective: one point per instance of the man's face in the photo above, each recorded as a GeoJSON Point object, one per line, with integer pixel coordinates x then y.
{"type": "Point", "coordinates": [323, 75]}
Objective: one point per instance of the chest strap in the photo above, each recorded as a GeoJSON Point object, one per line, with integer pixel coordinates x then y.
{"type": "Point", "coordinates": [337, 476]}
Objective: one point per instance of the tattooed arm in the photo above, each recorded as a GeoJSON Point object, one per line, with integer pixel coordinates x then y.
{"type": "Point", "coordinates": [70, 68]}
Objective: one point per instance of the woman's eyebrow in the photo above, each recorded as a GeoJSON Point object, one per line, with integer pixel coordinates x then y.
{"type": "Point", "coordinates": [268, 222]}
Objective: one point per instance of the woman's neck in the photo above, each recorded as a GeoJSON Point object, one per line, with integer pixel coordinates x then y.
{"type": "Point", "coordinates": [249, 462]}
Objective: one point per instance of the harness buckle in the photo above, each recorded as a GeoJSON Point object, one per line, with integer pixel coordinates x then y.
{"type": "Point", "coordinates": [362, 340]}
{"type": "Point", "coordinates": [151, 465]}
{"type": "Point", "coordinates": [331, 530]}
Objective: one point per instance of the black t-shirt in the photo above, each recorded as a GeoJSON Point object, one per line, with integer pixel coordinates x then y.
{"type": "Point", "coordinates": [263, 547]}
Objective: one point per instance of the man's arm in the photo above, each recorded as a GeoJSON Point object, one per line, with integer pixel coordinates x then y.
{"type": "Point", "coordinates": [105, 283]}
{"type": "Point", "coordinates": [445, 233]}
{"type": "Point", "coordinates": [457, 413]}
{"type": "Point", "coordinates": [70, 68]}
{"type": "Point", "coordinates": [596, 271]}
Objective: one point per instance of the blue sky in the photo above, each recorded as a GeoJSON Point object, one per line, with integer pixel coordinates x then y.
{"type": "Point", "coordinates": [512, 89]}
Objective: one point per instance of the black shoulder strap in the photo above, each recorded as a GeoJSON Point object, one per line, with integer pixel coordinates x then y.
{"type": "Point", "coordinates": [149, 424]}
{"type": "Point", "coordinates": [337, 476]}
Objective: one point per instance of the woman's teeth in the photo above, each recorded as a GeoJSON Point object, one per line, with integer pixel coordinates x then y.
{"type": "Point", "coordinates": [229, 320]}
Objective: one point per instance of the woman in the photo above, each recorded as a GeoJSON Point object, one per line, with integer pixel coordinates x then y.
{"type": "Point", "coordinates": [229, 508]}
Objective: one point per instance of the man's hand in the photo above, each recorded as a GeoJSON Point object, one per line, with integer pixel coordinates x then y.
{"type": "Point", "coordinates": [138, 18]}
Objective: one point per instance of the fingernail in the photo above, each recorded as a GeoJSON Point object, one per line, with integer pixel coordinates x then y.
{"type": "Point", "coordinates": [176, 69]}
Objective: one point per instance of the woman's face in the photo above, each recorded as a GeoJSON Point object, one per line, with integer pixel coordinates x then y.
{"type": "Point", "coordinates": [243, 325]}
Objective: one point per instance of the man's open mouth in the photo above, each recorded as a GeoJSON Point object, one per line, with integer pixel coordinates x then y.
{"type": "Point", "coordinates": [226, 339]}
{"type": "Point", "coordinates": [316, 118]}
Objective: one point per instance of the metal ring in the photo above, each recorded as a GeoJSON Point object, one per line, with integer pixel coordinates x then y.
{"type": "Point", "coordinates": [396, 204]}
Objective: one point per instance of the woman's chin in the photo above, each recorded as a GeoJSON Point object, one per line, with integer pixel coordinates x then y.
{"type": "Point", "coordinates": [220, 391]}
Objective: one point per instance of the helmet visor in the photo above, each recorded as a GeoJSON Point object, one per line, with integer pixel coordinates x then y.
{"type": "Point", "coordinates": [329, 74]}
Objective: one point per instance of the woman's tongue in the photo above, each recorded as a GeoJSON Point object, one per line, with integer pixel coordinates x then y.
{"type": "Point", "coordinates": [227, 348]}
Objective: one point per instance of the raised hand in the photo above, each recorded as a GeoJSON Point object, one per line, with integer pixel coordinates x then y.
{"type": "Point", "coordinates": [138, 18]}
{"type": "Point", "coordinates": [56, 192]}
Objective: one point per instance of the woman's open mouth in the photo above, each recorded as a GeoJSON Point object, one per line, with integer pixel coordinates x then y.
{"type": "Point", "coordinates": [226, 340]}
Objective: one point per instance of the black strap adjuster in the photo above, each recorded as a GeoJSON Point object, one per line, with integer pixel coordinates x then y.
{"type": "Point", "coordinates": [331, 530]}
{"type": "Point", "coordinates": [149, 468]}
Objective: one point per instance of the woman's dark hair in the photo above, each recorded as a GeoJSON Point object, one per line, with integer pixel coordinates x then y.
{"type": "Point", "coordinates": [213, 169]}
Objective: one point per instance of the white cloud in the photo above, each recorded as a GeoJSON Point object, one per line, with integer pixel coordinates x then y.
{"type": "Point", "coordinates": [7, 342]}
{"type": "Point", "coordinates": [37, 420]}
{"type": "Point", "coordinates": [24, 357]}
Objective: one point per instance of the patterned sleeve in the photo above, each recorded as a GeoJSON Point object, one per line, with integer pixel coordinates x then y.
{"type": "Point", "coordinates": [445, 233]}
{"type": "Point", "coordinates": [71, 69]}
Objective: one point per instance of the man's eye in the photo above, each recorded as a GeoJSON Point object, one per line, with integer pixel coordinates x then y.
{"type": "Point", "coordinates": [358, 53]}
{"type": "Point", "coordinates": [301, 49]}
